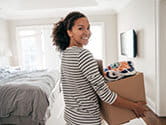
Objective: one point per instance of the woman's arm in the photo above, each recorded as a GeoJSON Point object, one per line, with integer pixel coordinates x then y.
{"type": "Point", "coordinates": [89, 68]}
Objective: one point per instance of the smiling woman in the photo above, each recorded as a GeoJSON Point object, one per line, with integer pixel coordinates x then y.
{"type": "Point", "coordinates": [82, 82]}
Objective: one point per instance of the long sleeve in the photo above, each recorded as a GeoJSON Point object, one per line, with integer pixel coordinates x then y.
{"type": "Point", "coordinates": [89, 68]}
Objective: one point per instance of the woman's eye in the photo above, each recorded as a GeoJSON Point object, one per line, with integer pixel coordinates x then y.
{"type": "Point", "coordinates": [80, 28]}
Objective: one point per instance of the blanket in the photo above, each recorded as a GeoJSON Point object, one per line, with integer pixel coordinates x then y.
{"type": "Point", "coordinates": [119, 70]}
{"type": "Point", "coordinates": [26, 93]}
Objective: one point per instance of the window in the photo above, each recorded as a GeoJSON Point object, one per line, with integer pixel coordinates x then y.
{"type": "Point", "coordinates": [35, 47]}
{"type": "Point", "coordinates": [36, 51]}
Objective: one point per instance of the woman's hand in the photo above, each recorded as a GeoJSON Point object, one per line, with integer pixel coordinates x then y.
{"type": "Point", "coordinates": [139, 108]}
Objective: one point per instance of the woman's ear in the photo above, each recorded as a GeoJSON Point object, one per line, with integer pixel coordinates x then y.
{"type": "Point", "coordinates": [69, 33]}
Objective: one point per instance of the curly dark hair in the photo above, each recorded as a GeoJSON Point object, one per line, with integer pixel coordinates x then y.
{"type": "Point", "coordinates": [59, 33]}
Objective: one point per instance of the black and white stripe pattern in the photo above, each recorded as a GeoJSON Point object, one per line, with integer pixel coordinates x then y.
{"type": "Point", "coordinates": [82, 84]}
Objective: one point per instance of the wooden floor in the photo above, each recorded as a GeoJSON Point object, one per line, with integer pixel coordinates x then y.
{"type": "Point", "coordinates": [152, 119]}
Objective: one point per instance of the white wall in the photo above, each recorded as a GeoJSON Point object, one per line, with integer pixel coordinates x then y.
{"type": "Point", "coordinates": [4, 43]}
{"type": "Point", "coordinates": [161, 56]}
{"type": "Point", "coordinates": [109, 34]}
{"type": "Point", "coordinates": [139, 15]}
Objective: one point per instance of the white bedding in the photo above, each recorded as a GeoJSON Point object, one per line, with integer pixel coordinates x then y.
{"type": "Point", "coordinates": [27, 83]}
{"type": "Point", "coordinates": [45, 79]}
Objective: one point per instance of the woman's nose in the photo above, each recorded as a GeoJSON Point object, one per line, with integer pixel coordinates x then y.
{"type": "Point", "coordinates": [87, 32]}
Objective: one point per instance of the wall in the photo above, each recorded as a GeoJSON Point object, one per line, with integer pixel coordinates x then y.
{"type": "Point", "coordinates": [4, 43]}
{"type": "Point", "coordinates": [109, 34]}
{"type": "Point", "coordinates": [161, 56]}
{"type": "Point", "coordinates": [140, 15]}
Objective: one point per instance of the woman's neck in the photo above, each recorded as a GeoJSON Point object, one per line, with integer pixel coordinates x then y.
{"type": "Point", "coordinates": [75, 44]}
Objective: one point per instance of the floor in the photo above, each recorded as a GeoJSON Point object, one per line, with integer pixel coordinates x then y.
{"type": "Point", "coordinates": [152, 119]}
{"type": "Point", "coordinates": [57, 112]}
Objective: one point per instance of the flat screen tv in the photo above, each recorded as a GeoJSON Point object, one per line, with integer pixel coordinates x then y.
{"type": "Point", "coordinates": [128, 43]}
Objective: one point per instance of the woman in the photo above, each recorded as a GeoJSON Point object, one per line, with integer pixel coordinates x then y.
{"type": "Point", "coordinates": [81, 80]}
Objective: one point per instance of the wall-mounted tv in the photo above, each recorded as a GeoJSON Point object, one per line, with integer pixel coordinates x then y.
{"type": "Point", "coordinates": [128, 43]}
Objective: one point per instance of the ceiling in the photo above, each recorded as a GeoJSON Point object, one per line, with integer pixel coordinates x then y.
{"type": "Point", "coordinates": [21, 9]}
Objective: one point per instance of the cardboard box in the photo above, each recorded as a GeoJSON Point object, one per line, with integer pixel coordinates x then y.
{"type": "Point", "coordinates": [131, 88]}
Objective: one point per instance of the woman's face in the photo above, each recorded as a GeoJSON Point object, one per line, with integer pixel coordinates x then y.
{"type": "Point", "coordinates": [80, 32]}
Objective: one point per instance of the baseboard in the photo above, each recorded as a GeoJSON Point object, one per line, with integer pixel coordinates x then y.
{"type": "Point", "coordinates": [151, 104]}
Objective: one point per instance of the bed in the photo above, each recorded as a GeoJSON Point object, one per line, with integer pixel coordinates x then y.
{"type": "Point", "coordinates": [24, 95]}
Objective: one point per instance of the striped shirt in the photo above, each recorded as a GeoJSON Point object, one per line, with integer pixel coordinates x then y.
{"type": "Point", "coordinates": [82, 84]}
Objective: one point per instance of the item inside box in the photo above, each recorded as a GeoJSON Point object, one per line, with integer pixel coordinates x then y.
{"type": "Point", "coordinates": [119, 70]}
